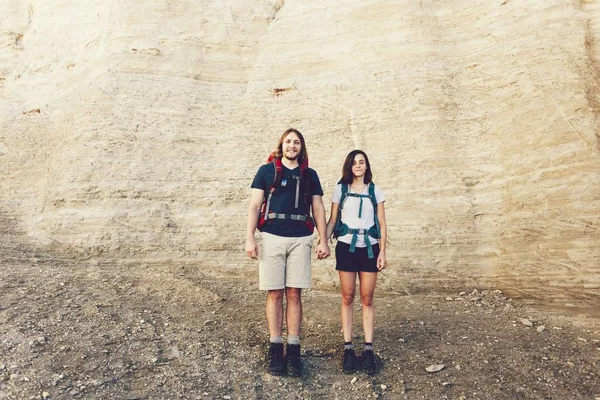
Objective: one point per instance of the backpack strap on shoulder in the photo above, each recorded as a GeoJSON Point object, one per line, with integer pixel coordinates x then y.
{"type": "Point", "coordinates": [276, 182]}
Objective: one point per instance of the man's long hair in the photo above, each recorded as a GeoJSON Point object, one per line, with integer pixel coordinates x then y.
{"type": "Point", "coordinates": [303, 156]}
{"type": "Point", "coordinates": [347, 175]}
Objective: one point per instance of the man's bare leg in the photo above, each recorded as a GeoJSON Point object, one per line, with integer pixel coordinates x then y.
{"type": "Point", "coordinates": [293, 314]}
{"type": "Point", "coordinates": [275, 312]}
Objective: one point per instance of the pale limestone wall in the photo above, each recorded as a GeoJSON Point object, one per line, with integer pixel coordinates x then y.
{"type": "Point", "coordinates": [481, 120]}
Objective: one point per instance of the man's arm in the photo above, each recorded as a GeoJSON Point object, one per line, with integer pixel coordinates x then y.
{"type": "Point", "coordinates": [318, 210]}
{"type": "Point", "coordinates": [256, 200]}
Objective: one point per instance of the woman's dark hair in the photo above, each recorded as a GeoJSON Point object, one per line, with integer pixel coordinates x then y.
{"type": "Point", "coordinates": [303, 156]}
{"type": "Point", "coordinates": [347, 168]}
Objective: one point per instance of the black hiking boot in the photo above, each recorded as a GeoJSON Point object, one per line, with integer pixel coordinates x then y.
{"type": "Point", "coordinates": [368, 362]}
{"type": "Point", "coordinates": [294, 364]}
{"type": "Point", "coordinates": [275, 361]}
{"type": "Point", "coordinates": [349, 361]}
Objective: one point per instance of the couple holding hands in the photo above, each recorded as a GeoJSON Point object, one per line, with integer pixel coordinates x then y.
{"type": "Point", "coordinates": [283, 192]}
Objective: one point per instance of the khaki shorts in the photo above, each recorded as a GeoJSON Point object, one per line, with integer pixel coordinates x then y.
{"type": "Point", "coordinates": [284, 262]}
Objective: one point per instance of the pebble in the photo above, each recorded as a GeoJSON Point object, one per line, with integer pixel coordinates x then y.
{"type": "Point", "coordinates": [435, 368]}
{"type": "Point", "coordinates": [45, 395]}
{"type": "Point", "coordinates": [541, 328]}
{"type": "Point", "coordinates": [353, 381]}
{"type": "Point", "coordinates": [449, 298]}
{"type": "Point", "coordinates": [526, 322]}
{"type": "Point", "coordinates": [383, 387]}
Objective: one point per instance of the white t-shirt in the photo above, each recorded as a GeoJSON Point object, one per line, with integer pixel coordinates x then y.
{"type": "Point", "coordinates": [350, 213]}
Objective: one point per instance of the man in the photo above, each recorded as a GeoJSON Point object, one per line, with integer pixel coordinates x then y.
{"type": "Point", "coordinates": [283, 191]}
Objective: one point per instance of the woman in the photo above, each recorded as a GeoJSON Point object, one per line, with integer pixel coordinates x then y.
{"type": "Point", "coordinates": [357, 219]}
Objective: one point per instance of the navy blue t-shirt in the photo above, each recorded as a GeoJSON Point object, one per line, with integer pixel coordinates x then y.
{"type": "Point", "coordinates": [283, 200]}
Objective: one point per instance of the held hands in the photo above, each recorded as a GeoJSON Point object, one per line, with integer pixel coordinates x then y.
{"type": "Point", "coordinates": [252, 248]}
{"type": "Point", "coordinates": [381, 261]}
{"type": "Point", "coordinates": [322, 250]}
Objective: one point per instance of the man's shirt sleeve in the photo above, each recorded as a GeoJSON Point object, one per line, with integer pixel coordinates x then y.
{"type": "Point", "coordinates": [316, 184]}
{"type": "Point", "coordinates": [260, 181]}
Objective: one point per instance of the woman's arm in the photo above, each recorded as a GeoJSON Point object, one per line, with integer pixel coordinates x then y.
{"type": "Point", "coordinates": [382, 259]}
{"type": "Point", "coordinates": [335, 207]}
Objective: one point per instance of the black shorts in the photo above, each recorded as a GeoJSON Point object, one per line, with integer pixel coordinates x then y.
{"type": "Point", "coordinates": [355, 262]}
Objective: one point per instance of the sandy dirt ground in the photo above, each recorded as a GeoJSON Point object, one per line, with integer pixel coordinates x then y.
{"type": "Point", "coordinates": [89, 329]}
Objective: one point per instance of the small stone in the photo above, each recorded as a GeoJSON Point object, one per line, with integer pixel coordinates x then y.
{"type": "Point", "coordinates": [435, 368]}
{"type": "Point", "coordinates": [582, 339]}
{"type": "Point", "coordinates": [447, 383]}
{"type": "Point", "coordinates": [227, 397]}
{"type": "Point", "coordinates": [383, 387]}
{"type": "Point", "coordinates": [458, 367]}
{"type": "Point", "coordinates": [462, 293]}
{"type": "Point", "coordinates": [449, 298]}
{"type": "Point", "coordinates": [569, 305]}
{"type": "Point", "coordinates": [353, 381]}
{"type": "Point", "coordinates": [541, 328]}
{"type": "Point", "coordinates": [45, 395]}
{"type": "Point", "coordinates": [526, 322]}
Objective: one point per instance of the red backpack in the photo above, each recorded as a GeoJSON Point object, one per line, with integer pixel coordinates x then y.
{"type": "Point", "coordinates": [266, 215]}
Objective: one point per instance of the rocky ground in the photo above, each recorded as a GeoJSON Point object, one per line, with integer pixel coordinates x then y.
{"type": "Point", "coordinates": [74, 329]}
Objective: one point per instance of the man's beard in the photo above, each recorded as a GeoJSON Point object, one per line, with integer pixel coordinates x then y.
{"type": "Point", "coordinates": [295, 157]}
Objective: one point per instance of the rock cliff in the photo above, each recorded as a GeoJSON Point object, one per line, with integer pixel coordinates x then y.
{"type": "Point", "coordinates": [132, 130]}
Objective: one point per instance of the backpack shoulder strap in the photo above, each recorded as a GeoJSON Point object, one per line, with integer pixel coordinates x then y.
{"type": "Point", "coordinates": [374, 201]}
{"type": "Point", "coordinates": [278, 169]}
{"type": "Point", "coordinates": [345, 188]}
{"type": "Point", "coordinates": [372, 196]}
